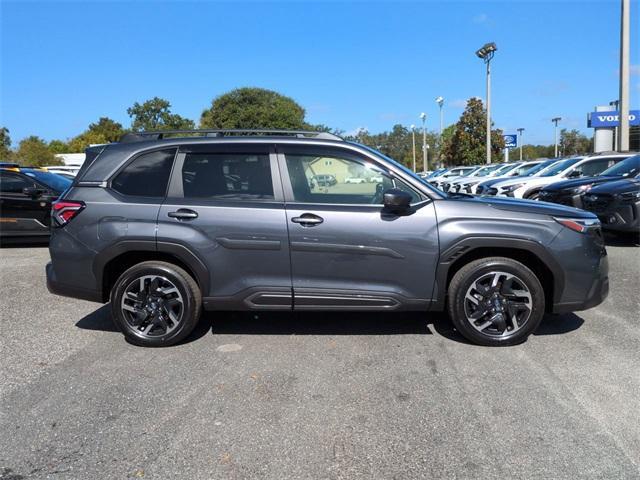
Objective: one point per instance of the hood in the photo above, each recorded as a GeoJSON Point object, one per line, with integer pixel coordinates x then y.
{"type": "Point", "coordinates": [531, 206]}
{"type": "Point", "coordinates": [618, 186]}
{"type": "Point", "coordinates": [578, 182]}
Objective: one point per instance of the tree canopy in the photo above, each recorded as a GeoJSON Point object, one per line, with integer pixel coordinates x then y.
{"type": "Point", "coordinates": [34, 151]}
{"type": "Point", "coordinates": [253, 108]}
{"type": "Point", "coordinates": [155, 114]}
{"type": "Point", "coordinates": [572, 142]}
{"type": "Point", "coordinates": [104, 130]}
{"type": "Point", "coordinates": [467, 144]}
{"type": "Point", "coordinates": [5, 144]}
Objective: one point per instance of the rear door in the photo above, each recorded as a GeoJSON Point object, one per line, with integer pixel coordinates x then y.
{"type": "Point", "coordinates": [21, 214]}
{"type": "Point", "coordinates": [225, 204]}
{"type": "Point", "coordinates": [346, 250]}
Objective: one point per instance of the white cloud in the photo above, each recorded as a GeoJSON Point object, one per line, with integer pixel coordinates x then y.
{"type": "Point", "coordinates": [354, 132]}
{"type": "Point", "coordinates": [458, 103]}
{"type": "Point", "coordinates": [481, 18]}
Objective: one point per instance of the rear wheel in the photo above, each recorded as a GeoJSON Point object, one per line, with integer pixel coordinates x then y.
{"type": "Point", "coordinates": [156, 304]}
{"type": "Point", "coordinates": [496, 301]}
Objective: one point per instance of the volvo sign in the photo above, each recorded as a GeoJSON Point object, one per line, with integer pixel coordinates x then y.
{"type": "Point", "coordinates": [611, 119]}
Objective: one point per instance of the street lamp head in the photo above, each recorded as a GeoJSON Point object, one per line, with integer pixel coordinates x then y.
{"type": "Point", "coordinates": [556, 119]}
{"type": "Point", "coordinates": [440, 101]}
{"type": "Point", "coordinates": [487, 51]}
{"type": "Point", "coordinates": [423, 116]}
{"type": "Point", "coordinates": [520, 130]}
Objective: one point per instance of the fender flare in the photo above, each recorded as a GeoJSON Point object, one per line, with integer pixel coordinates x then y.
{"type": "Point", "coordinates": [467, 245]}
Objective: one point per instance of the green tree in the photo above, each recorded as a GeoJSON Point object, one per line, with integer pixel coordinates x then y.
{"type": "Point", "coordinates": [58, 146]}
{"type": "Point", "coordinates": [253, 108]}
{"type": "Point", "coordinates": [572, 142]}
{"type": "Point", "coordinates": [155, 114]}
{"type": "Point", "coordinates": [34, 151]}
{"type": "Point", "coordinates": [104, 130]}
{"type": "Point", "coordinates": [5, 144]}
{"type": "Point", "coordinates": [467, 145]}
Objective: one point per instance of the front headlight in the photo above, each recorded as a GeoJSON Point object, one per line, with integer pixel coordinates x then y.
{"type": "Point", "coordinates": [629, 196]}
{"type": "Point", "coordinates": [512, 188]}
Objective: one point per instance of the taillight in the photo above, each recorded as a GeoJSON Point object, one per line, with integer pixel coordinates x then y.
{"type": "Point", "coordinates": [580, 225]}
{"type": "Point", "coordinates": [64, 211]}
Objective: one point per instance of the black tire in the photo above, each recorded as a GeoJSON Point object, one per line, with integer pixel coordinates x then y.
{"type": "Point", "coordinates": [458, 305]}
{"type": "Point", "coordinates": [190, 304]}
{"type": "Point", "coordinates": [533, 195]}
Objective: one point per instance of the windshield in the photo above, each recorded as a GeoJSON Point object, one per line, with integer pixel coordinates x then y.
{"type": "Point", "coordinates": [51, 180]}
{"type": "Point", "coordinates": [627, 168]}
{"type": "Point", "coordinates": [481, 172]}
{"type": "Point", "coordinates": [561, 166]}
{"type": "Point", "coordinates": [505, 168]}
{"type": "Point", "coordinates": [522, 169]}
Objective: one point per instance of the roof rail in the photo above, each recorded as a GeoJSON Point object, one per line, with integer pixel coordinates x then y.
{"type": "Point", "coordinates": [158, 135]}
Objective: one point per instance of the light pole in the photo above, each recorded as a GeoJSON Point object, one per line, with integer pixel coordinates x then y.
{"type": "Point", "coordinates": [555, 122]}
{"type": "Point", "coordinates": [486, 54]}
{"type": "Point", "coordinates": [616, 130]}
{"type": "Point", "coordinates": [520, 130]}
{"type": "Point", "coordinates": [440, 102]}
{"type": "Point", "coordinates": [623, 114]}
{"type": "Point", "coordinates": [413, 137]}
{"type": "Point", "coordinates": [423, 117]}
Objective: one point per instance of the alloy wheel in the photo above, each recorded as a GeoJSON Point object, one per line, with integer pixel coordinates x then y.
{"type": "Point", "coordinates": [498, 304]}
{"type": "Point", "coordinates": [152, 306]}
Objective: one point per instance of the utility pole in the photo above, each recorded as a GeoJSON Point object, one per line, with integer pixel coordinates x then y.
{"type": "Point", "coordinates": [440, 102]}
{"type": "Point", "coordinates": [413, 135]}
{"type": "Point", "coordinates": [423, 117]}
{"type": "Point", "coordinates": [486, 54]}
{"type": "Point", "coordinates": [623, 130]}
{"type": "Point", "coordinates": [520, 130]}
{"type": "Point", "coordinates": [555, 122]}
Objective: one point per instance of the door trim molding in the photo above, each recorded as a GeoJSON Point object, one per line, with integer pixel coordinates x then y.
{"type": "Point", "coordinates": [344, 248]}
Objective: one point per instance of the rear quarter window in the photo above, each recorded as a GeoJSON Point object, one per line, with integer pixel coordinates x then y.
{"type": "Point", "coordinates": [147, 175]}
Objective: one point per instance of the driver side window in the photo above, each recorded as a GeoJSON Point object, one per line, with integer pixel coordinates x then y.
{"type": "Point", "coordinates": [339, 179]}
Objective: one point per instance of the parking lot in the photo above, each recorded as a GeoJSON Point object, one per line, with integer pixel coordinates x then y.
{"type": "Point", "coordinates": [315, 396]}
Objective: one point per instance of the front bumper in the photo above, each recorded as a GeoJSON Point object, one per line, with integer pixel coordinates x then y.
{"type": "Point", "coordinates": [615, 214]}
{"type": "Point", "coordinates": [597, 294]}
{"type": "Point", "coordinates": [561, 198]}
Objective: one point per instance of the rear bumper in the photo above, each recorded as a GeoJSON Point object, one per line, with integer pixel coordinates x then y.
{"type": "Point", "coordinates": [58, 288]}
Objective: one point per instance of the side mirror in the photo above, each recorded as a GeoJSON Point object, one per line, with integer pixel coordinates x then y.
{"type": "Point", "coordinates": [575, 174]}
{"type": "Point", "coordinates": [396, 200]}
{"type": "Point", "coordinates": [33, 192]}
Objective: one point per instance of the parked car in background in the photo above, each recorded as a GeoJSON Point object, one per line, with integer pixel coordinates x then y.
{"type": "Point", "coordinates": [25, 201]}
{"type": "Point", "coordinates": [356, 180]}
{"type": "Point", "coordinates": [454, 185]}
{"type": "Point", "coordinates": [486, 186]}
{"type": "Point", "coordinates": [63, 169]}
{"type": "Point", "coordinates": [575, 167]}
{"type": "Point", "coordinates": [324, 180]}
{"type": "Point", "coordinates": [449, 174]}
{"type": "Point", "coordinates": [131, 230]}
{"type": "Point", "coordinates": [616, 203]}
{"type": "Point", "coordinates": [570, 192]}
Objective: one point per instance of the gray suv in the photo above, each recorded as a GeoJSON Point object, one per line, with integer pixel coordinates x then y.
{"type": "Point", "coordinates": [164, 225]}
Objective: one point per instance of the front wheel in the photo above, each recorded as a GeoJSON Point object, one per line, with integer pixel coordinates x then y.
{"type": "Point", "coordinates": [156, 304]}
{"type": "Point", "coordinates": [496, 301]}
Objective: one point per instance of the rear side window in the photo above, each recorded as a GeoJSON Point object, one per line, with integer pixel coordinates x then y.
{"type": "Point", "coordinates": [594, 167]}
{"type": "Point", "coordinates": [147, 175]}
{"type": "Point", "coordinates": [10, 183]}
{"type": "Point", "coordinates": [230, 176]}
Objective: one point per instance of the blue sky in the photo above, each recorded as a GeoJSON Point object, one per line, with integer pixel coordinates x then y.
{"type": "Point", "coordinates": [355, 64]}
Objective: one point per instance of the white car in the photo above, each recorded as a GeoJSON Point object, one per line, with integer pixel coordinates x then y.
{"type": "Point", "coordinates": [463, 184]}
{"type": "Point", "coordinates": [527, 169]}
{"type": "Point", "coordinates": [529, 187]}
{"type": "Point", "coordinates": [355, 180]}
{"type": "Point", "coordinates": [451, 174]}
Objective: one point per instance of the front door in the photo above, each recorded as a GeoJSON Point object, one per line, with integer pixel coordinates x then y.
{"type": "Point", "coordinates": [225, 203]}
{"type": "Point", "coordinates": [346, 250]}
{"type": "Point", "coordinates": [22, 214]}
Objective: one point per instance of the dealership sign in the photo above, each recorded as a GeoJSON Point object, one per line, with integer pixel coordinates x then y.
{"type": "Point", "coordinates": [510, 141]}
{"type": "Point", "coordinates": [611, 119]}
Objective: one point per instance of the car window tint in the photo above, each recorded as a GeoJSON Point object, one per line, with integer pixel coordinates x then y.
{"type": "Point", "coordinates": [10, 183]}
{"type": "Point", "coordinates": [339, 180]}
{"type": "Point", "coordinates": [594, 167]}
{"type": "Point", "coordinates": [231, 176]}
{"type": "Point", "coordinates": [147, 175]}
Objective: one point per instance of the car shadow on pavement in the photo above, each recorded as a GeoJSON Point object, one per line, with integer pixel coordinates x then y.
{"type": "Point", "coordinates": [23, 243]}
{"type": "Point", "coordinates": [622, 239]}
{"type": "Point", "coordinates": [327, 323]}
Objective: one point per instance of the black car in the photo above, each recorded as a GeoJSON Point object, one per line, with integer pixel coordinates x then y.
{"type": "Point", "coordinates": [25, 201]}
{"type": "Point", "coordinates": [570, 192]}
{"type": "Point", "coordinates": [617, 204]}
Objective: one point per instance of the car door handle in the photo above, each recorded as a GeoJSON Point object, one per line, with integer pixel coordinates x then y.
{"type": "Point", "coordinates": [308, 220]}
{"type": "Point", "coordinates": [183, 214]}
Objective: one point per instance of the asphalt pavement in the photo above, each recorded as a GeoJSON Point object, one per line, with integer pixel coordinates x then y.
{"type": "Point", "coordinates": [295, 396]}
